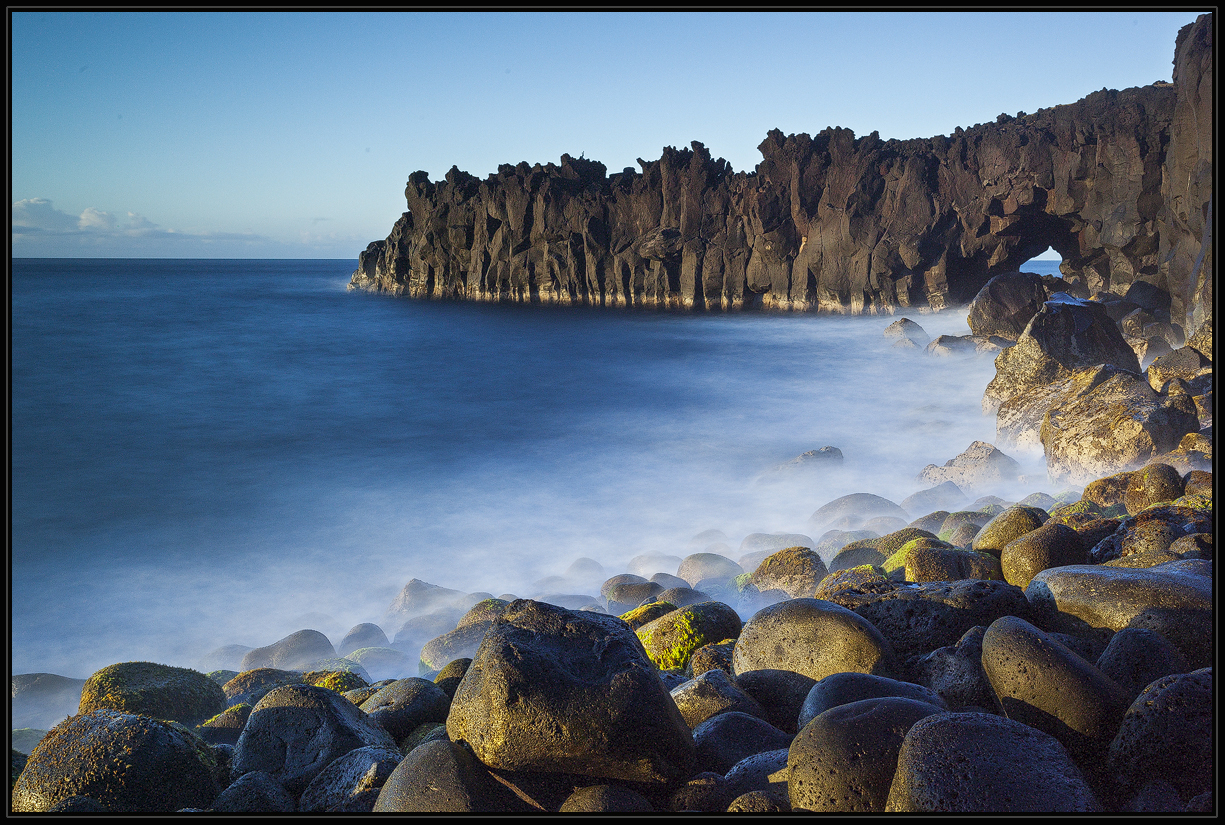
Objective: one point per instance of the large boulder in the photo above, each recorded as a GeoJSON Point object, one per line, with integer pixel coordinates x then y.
{"type": "Point", "coordinates": [814, 638]}
{"type": "Point", "coordinates": [418, 598]}
{"type": "Point", "coordinates": [672, 638]}
{"type": "Point", "coordinates": [843, 760]}
{"type": "Point", "coordinates": [124, 761]}
{"type": "Point", "coordinates": [1167, 730]}
{"type": "Point", "coordinates": [296, 731]}
{"type": "Point", "coordinates": [980, 763]}
{"type": "Point", "coordinates": [355, 778]}
{"type": "Point", "coordinates": [1172, 599]}
{"type": "Point", "coordinates": [297, 651]}
{"type": "Point", "coordinates": [406, 703]}
{"type": "Point", "coordinates": [554, 690]}
{"type": "Point", "coordinates": [1065, 335]}
{"type": "Point", "coordinates": [175, 694]}
{"type": "Point", "coordinates": [1041, 682]}
{"type": "Point", "coordinates": [1111, 420]}
{"type": "Point", "coordinates": [1005, 304]}
{"type": "Point", "coordinates": [710, 693]}
{"type": "Point", "coordinates": [795, 570]}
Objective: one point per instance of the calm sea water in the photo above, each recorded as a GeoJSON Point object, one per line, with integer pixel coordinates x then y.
{"type": "Point", "coordinates": [215, 452]}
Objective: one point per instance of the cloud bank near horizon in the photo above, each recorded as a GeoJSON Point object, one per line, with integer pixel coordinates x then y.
{"type": "Point", "coordinates": [40, 230]}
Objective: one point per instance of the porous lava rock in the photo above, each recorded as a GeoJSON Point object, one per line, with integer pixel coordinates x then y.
{"type": "Point", "coordinates": [672, 638]}
{"type": "Point", "coordinates": [406, 703]}
{"type": "Point", "coordinates": [844, 688]}
{"type": "Point", "coordinates": [358, 775]}
{"type": "Point", "coordinates": [980, 467]}
{"type": "Point", "coordinates": [554, 690]}
{"type": "Point", "coordinates": [843, 760]}
{"type": "Point", "coordinates": [1005, 304]}
{"type": "Point", "coordinates": [795, 570]}
{"type": "Point", "coordinates": [980, 763]}
{"type": "Point", "coordinates": [1168, 730]}
{"type": "Point", "coordinates": [362, 635]}
{"type": "Point", "coordinates": [710, 693]}
{"type": "Point", "coordinates": [1051, 545]}
{"type": "Point", "coordinates": [814, 638]}
{"type": "Point", "coordinates": [444, 777]}
{"type": "Point", "coordinates": [857, 508]}
{"type": "Point", "coordinates": [727, 738]}
{"type": "Point", "coordinates": [1039, 681]}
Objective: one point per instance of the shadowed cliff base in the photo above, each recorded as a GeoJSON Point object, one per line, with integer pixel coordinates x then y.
{"type": "Point", "coordinates": [1119, 184]}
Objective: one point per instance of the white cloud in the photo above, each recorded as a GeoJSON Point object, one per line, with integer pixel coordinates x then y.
{"type": "Point", "coordinates": [95, 219]}
{"type": "Point", "coordinates": [35, 215]}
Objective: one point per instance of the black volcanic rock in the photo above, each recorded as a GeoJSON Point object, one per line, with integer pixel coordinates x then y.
{"type": "Point", "coordinates": [1118, 183]}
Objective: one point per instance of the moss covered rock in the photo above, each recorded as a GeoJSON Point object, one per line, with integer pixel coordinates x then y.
{"type": "Point", "coordinates": [795, 570]}
{"type": "Point", "coordinates": [672, 638]}
{"type": "Point", "coordinates": [126, 762]}
{"type": "Point", "coordinates": [161, 691]}
{"type": "Point", "coordinates": [1011, 524]}
{"type": "Point", "coordinates": [647, 613]}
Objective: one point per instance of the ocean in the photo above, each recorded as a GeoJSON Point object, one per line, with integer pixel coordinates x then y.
{"type": "Point", "coordinates": [213, 452]}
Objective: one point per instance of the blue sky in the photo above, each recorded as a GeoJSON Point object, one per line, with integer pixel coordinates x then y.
{"type": "Point", "coordinates": [290, 135]}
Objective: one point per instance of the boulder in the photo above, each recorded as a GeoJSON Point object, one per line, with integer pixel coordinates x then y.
{"type": "Point", "coordinates": [671, 639]}
{"type": "Point", "coordinates": [255, 792]}
{"type": "Point", "coordinates": [462, 642]}
{"type": "Point", "coordinates": [122, 761]}
{"type": "Point", "coordinates": [1116, 422]}
{"type": "Point", "coordinates": [955, 673]}
{"type": "Point", "coordinates": [444, 777]}
{"type": "Point", "coordinates": [1065, 335]}
{"type": "Point", "coordinates": [843, 760]}
{"type": "Point", "coordinates": [858, 507]}
{"type": "Point", "coordinates": [1186, 363]}
{"type": "Point", "coordinates": [1005, 305]}
{"type": "Point", "coordinates": [362, 635]}
{"type": "Point", "coordinates": [705, 793]}
{"type": "Point", "coordinates": [1039, 681]}
{"type": "Point", "coordinates": [418, 598]}
{"type": "Point", "coordinates": [698, 567]}
{"type": "Point", "coordinates": [944, 494]}
{"type": "Point", "coordinates": [359, 774]}
{"type": "Point", "coordinates": [383, 662]}
{"type": "Point", "coordinates": [1007, 527]}
{"type": "Point", "coordinates": [919, 618]}
{"type": "Point", "coordinates": [765, 772]}
{"type": "Point", "coordinates": [606, 799]}
{"type": "Point", "coordinates": [161, 691]}
{"type": "Point", "coordinates": [1136, 657]}
{"type": "Point", "coordinates": [979, 468]}
{"type": "Point", "coordinates": [710, 693]}
{"type": "Point", "coordinates": [648, 564]}
{"type": "Point", "coordinates": [1168, 730]}
{"type": "Point", "coordinates": [844, 688]}
{"type": "Point", "coordinates": [297, 651]}
{"type": "Point", "coordinates": [250, 686]}
{"type": "Point", "coordinates": [795, 570]}
{"type": "Point", "coordinates": [405, 704]}
{"type": "Point", "coordinates": [811, 637]}
{"type": "Point", "coordinates": [904, 329]}
{"type": "Point", "coordinates": [558, 690]}
{"type": "Point", "coordinates": [1051, 545]}
{"type": "Point", "coordinates": [726, 738]}
{"type": "Point", "coordinates": [980, 763]}
{"type": "Point", "coordinates": [780, 692]}
{"type": "Point", "coordinates": [1172, 599]}
{"type": "Point", "coordinates": [296, 731]}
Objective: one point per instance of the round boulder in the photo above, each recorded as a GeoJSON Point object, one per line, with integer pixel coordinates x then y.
{"type": "Point", "coordinates": [297, 651]}
{"type": "Point", "coordinates": [365, 634]}
{"type": "Point", "coordinates": [173, 693]}
{"type": "Point", "coordinates": [700, 566]}
{"type": "Point", "coordinates": [121, 760]}
{"type": "Point", "coordinates": [795, 570]}
{"type": "Point", "coordinates": [406, 703]}
{"type": "Point", "coordinates": [814, 638]}
{"type": "Point", "coordinates": [671, 639]}
{"type": "Point", "coordinates": [843, 760]}
{"type": "Point", "coordinates": [979, 763]}
{"type": "Point", "coordinates": [1051, 545]}
{"type": "Point", "coordinates": [844, 688]}
{"type": "Point", "coordinates": [1008, 526]}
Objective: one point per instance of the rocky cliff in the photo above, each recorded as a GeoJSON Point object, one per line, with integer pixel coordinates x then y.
{"type": "Point", "coordinates": [1119, 183]}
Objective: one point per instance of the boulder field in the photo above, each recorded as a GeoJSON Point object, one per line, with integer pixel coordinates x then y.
{"type": "Point", "coordinates": [1006, 656]}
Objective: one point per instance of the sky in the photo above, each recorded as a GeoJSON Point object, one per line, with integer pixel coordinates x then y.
{"type": "Point", "coordinates": [291, 135]}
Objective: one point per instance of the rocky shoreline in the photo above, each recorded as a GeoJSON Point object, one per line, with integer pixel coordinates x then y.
{"type": "Point", "coordinates": [948, 652]}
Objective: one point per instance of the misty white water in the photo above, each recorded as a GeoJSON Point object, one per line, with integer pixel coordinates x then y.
{"type": "Point", "coordinates": [224, 452]}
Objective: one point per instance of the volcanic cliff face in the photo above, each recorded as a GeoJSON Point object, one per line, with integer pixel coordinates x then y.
{"type": "Point", "coordinates": [1119, 183]}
